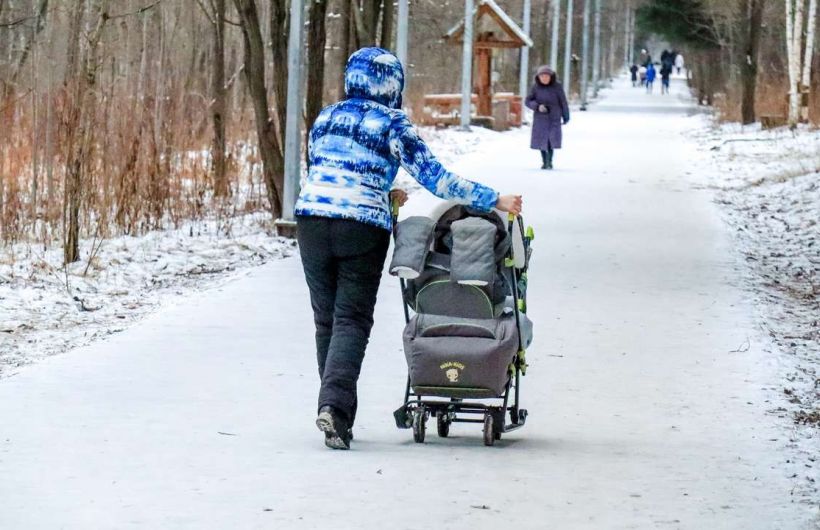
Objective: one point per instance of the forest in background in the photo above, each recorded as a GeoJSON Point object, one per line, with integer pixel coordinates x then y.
{"type": "Point", "coordinates": [125, 116]}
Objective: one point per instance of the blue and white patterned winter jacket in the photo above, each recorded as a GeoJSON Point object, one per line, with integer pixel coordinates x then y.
{"type": "Point", "coordinates": [356, 146]}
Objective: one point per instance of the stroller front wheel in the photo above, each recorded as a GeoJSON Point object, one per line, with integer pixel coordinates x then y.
{"type": "Point", "coordinates": [419, 425]}
{"type": "Point", "coordinates": [489, 431]}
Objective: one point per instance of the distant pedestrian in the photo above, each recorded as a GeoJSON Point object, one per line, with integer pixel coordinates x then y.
{"type": "Point", "coordinates": [666, 71]}
{"type": "Point", "coordinates": [642, 75]}
{"type": "Point", "coordinates": [634, 71]}
{"type": "Point", "coordinates": [650, 77]}
{"type": "Point", "coordinates": [549, 104]}
{"type": "Point", "coordinates": [679, 62]}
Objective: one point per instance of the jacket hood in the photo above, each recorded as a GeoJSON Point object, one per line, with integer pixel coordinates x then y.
{"type": "Point", "coordinates": [546, 70]}
{"type": "Point", "coordinates": [375, 74]}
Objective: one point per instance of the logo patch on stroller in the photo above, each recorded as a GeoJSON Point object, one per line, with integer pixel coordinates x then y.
{"type": "Point", "coordinates": [452, 370]}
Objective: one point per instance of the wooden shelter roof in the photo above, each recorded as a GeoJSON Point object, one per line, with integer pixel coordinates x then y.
{"type": "Point", "coordinates": [515, 36]}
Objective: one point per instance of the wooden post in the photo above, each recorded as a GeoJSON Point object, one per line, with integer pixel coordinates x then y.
{"type": "Point", "coordinates": [484, 61]}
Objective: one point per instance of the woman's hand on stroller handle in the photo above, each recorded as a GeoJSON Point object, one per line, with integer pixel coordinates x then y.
{"type": "Point", "coordinates": [511, 204]}
{"type": "Point", "coordinates": [398, 196]}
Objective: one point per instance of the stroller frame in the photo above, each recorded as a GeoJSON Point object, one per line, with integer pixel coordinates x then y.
{"type": "Point", "coordinates": [418, 408]}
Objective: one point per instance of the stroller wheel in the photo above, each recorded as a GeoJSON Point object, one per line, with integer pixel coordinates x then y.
{"type": "Point", "coordinates": [489, 431]}
{"type": "Point", "coordinates": [419, 427]}
{"type": "Point", "coordinates": [442, 424]}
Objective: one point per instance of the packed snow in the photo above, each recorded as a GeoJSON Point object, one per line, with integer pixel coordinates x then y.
{"type": "Point", "coordinates": [769, 190]}
{"type": "Point", "coordinates": [47, 308]}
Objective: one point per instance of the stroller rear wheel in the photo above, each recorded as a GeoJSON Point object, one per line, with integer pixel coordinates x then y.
{"type": "Point", "coordinates": [419, 425]}
{"type": "Point", "coordinates": [442, 424]}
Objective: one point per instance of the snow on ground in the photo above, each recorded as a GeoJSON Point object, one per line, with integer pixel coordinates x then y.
{"type": "Point", "coordinates": [769, 190]}
{"type": "Point", "coordinates": [46, 308]}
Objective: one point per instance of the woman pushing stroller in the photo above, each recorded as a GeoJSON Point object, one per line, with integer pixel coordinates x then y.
{"type": "Point", "coordinates": [344, 220]}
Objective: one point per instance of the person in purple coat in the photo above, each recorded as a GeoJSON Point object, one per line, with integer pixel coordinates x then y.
{"type": "Point", "coordinates": [550, 110]}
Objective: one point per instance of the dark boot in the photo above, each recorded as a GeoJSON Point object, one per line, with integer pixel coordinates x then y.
{"type": "Point", "coordinates": [543, 159]}
{"type": "Point", "coordinates": [336, 428]}
{"type": "Point", "coordinates": [548, 162]}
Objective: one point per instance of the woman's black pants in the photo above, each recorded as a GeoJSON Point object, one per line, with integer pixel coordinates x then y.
{"type": "Point", "coordinates": [343, 261]}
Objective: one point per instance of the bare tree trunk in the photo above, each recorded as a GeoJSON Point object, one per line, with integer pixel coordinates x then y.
{"type": "Point", "coordinates": [158, 190]}
{"type": "Point", "coordinates": [315, 62]}
{"type": "Point", "coordinates": [363, 16]}
{"type": "Point", "coordinates": [34, 127]}
{"type": "Point", "coordinates": [386, 40]}
{"type": "Point", "coordinates": [344, 45]}
{"type": "Point", "coordinates": [596, 49]}
{"type": "Point", "coordinates": [273, 164]}
{"type": "Point", "coordinates": [627, 27]}
{"type": "Point", "coordinates": [754, 17]}
{"type": "Point", "coordinates": [82, 143]}
{"type": "Point", "coordinates": [49, 154]}
{"type": "Point", "coordinates": [219, 105]}
{"type": "Point", "coordinates": [279, 31]}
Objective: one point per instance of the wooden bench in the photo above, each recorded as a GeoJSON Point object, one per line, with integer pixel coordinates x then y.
{"type": "Point", "coordinates": [445, 109]}
{"type": "Point", "coordinates": [771, 121]}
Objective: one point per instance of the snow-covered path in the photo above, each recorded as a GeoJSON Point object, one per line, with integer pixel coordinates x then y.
{"type": "Point", "coordinates": [640, 414]}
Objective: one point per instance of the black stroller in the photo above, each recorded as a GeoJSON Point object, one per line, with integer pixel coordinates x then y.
{"type": "Point", "coordinates": [464, 276]}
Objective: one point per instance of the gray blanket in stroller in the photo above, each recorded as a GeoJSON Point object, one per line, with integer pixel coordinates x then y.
{"type": "Point", "coordinates": [414, 236]}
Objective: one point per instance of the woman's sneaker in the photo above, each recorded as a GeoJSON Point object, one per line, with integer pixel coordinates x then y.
{"type": "Point", "coordinates": [336, 429]}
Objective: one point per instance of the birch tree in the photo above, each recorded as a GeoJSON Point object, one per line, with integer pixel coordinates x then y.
{"type": "Point", "coordinates": [794, 41]}
{"type": "Point", "coordinates": [805, 82]}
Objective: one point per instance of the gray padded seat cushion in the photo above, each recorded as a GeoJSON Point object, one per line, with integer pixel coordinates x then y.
{"type": "Point", "coordinates": [472, 260]}
{"type": "Point", "coordinates": [443, 297]}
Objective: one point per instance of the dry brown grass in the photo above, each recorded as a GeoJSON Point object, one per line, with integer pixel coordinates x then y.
{"type": "Point", "coordinates": [771, 99]}
{"type": "Point", "coordinates": [148, 166]}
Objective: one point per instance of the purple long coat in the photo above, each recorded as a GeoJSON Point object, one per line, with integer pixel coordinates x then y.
{"type": "Point", "coordinates": [546, 126]}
